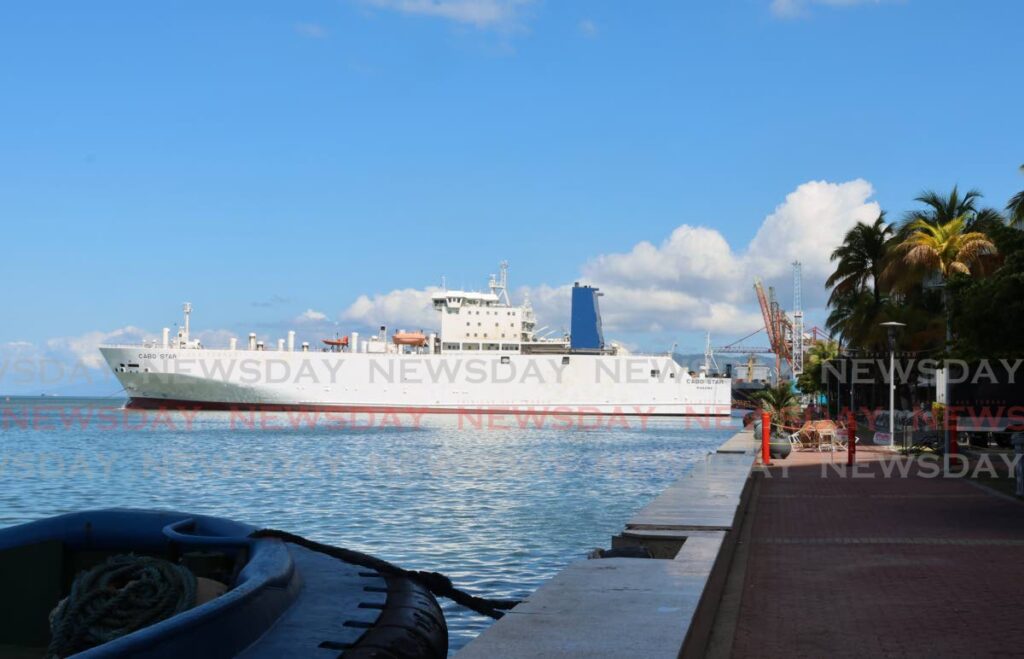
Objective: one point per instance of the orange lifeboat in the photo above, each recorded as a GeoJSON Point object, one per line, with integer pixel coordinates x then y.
{"type": "Point", "coordinates": [409, 339]}
{"type": "Point", "coordinates": [338, 343]}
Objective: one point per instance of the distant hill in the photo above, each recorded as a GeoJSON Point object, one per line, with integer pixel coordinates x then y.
{"type": "Point", "coordinates": [694, 361]}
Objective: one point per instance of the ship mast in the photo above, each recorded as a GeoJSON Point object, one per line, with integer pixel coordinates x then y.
{"type": "Point", "coordinates": [187, 308]}
{"type": "Point", "coordinates": [499, 285]}
{"type": "Point", "coordinates": [709, 354]}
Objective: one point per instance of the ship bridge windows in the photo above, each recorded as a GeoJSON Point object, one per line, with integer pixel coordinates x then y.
{"type": "Point", "coordinates": [510, 346]}
{"type": "Point", "coordinates": [449, 346]}
{"type": "Point", "coordinates": [491, 346]}
{"type": "Point", "coordinates": [470, 346]}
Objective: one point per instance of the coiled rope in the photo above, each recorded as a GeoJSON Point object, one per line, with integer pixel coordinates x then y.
{"type": "Point", "coordinates": [117, 597]}
{"type": "Point", "coordinates": [435, 582]}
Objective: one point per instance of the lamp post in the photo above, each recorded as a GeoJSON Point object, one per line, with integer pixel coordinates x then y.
{"type": "Point", "coordinates": [892, 327]}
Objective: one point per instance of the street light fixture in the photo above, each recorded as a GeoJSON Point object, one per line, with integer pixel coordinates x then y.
{"type": "Point", "coordinates": [892, 327]}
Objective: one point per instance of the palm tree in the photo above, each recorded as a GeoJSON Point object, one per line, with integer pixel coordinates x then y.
{"type": "Point", "coordinates": [781, 404]}
{"type": "Point", "coordinates": [854, 317]}
{"type": "Point", "coordinates": [940, 210]}
{"type": "Point", "coordinates": [947, 249]}
{"type": "Point", "coordinates": [861, 259]}
{"type": "Point", "coordinates": [1016, 207]}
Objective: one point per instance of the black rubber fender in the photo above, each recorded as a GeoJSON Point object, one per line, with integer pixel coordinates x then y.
{"type": "Point", "coordinates": [410, 626]}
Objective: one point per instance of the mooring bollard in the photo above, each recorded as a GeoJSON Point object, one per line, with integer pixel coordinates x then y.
{"type": "Point", "coordinates": [851, 439]}
{"type": "Point", "coordinates": [766, 434]}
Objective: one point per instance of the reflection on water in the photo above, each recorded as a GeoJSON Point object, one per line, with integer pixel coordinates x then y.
{"type": "Point", "coordinates": [497, 504]}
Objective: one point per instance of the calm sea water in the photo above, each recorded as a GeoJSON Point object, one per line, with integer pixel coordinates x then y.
{"type": "Point", "coordinates": [498, 504]}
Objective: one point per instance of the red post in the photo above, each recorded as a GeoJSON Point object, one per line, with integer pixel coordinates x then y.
{"type": "Point", "coordinates": [766, 433]}
{"type": "Point", "coordinates": [953, 422]}
{"type": "Point", "coordinates": [851, 439]}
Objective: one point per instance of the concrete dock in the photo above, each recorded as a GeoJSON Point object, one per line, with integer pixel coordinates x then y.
{"type": "Point", "coordinates": [617, 607]}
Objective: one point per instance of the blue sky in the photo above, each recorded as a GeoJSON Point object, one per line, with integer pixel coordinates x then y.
{"type": "Point", "coordinates": [264, 159]}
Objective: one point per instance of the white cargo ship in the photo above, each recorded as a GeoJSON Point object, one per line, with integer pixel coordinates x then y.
{"type": "Point", "coordinates": [487, 356]}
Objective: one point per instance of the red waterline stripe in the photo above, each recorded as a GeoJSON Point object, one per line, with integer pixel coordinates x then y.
{"type": "Point", "coordinates": [175, 404]}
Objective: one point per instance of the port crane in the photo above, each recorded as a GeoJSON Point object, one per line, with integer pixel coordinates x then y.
{"type": "Point", "coordinates": [786, 335]}
{"type": "Point", "coordinates": [777, 325]}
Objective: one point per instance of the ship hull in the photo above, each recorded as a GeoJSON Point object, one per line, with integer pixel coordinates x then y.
{"type": "Point", "coordinates": [627, 385]}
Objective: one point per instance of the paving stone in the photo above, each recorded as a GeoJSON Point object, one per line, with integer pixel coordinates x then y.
{"type": "Point", "coordinates": [907, 567]}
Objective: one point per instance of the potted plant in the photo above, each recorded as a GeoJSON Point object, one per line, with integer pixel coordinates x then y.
{"type": "Point", "coordinates": [783, 409]}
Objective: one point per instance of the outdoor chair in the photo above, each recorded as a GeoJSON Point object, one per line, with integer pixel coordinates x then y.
{"type": "Point", "coordinates": [802, 439]}
{"type": "Point", "coordinates": [827, 438]}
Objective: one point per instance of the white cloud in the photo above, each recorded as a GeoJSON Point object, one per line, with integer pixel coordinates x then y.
{"type": "Point", "coordinates": [808, 226]}
{"type": "Point", "coordinates": [691, 281]}
{"type": "Point", "coordinates": [691, 258]}
{"type": "Point", "coordinates": [63, 364]}
{"type": "Point", "coordinates": [311, 316]}
{"type": "Point", "coordinates": [311, 30]}
{"type": "Point", "coordinates": [479, 13]}
{"type": "Point", "coordinates": [794, 8]}
{"type": "Point", "coordinates": [85, 347]}
{"type": "Point", "coordinates": [699, 261]}
{"type": "Point", "coordinates": [407, 307]}
{"type": "Point", "coordinates": [588, 28]}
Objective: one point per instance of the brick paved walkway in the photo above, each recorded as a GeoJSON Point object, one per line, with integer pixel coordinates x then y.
{"type": "Point", "coordinates": [875, 566]}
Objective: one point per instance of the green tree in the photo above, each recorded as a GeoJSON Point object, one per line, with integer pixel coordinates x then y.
{"type": "Point", "coordinates": [1016, 207]}
{"type": "Point", "coordinates": [811, 380]}
{"type": "Point", "coordinates": [860, 260]}
{"type": "Point", "coordinates": [978, 301]}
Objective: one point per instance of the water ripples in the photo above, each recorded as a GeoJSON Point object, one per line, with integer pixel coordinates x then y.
{"type": "Point", "coordinates": [499, 511]}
